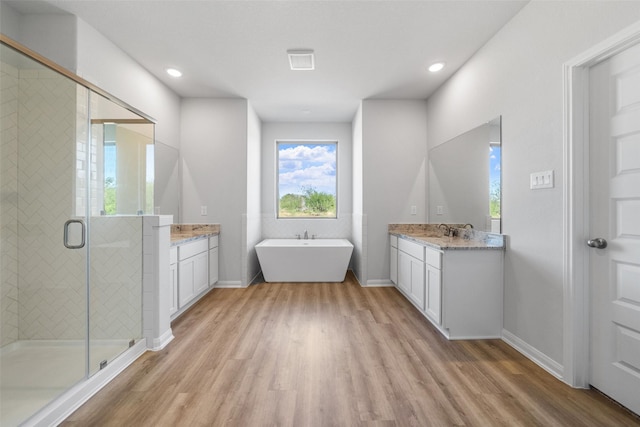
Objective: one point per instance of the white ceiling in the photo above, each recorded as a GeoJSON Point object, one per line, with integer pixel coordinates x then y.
{"type": "Point", "coordinates": [363, 49]}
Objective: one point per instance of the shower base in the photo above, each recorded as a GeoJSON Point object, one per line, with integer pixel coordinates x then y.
{"type": "Point", "coordinates": [34, 373]}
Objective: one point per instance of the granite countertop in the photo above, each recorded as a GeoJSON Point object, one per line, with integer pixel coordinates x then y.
{"type": "Point", "coordinates": [184, 233]}
{"type": "Point", "coordinates": [434, 236]}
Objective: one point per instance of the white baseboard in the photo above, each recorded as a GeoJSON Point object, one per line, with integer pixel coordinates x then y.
{"type": "Point", "coordinates": [56, 412]}
{"type": "Point", "coordinates": [379, 283]}
{"type": "Point", "coordinates": [533, 354]}
{"type": "Point", "coordinates": [229, 284]}
{"type": "Point", "coordinates": [162, 341]}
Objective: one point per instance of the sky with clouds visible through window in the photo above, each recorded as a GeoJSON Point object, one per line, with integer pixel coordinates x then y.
{"type": "Point", "coordinates": [303, 165]}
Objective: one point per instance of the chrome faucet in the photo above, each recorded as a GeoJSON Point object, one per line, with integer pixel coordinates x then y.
{"type": "Point", "coordinates": [446, 228]}
{"type": "Point", "coordinates": [306, 235]}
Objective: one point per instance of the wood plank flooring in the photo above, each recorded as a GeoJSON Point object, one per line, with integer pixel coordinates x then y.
{"type": "Point", "coordinates": [333, 354]}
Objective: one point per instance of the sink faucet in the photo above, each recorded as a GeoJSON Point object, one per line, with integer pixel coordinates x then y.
{"type": "Point", "coordinates": [446, 228]}
{"type": "Point", "coordinates": [306, 235]}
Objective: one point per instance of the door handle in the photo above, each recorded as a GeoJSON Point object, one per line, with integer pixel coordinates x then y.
{"type": "Point", "coordinates": [598, 243]}
{"type": "Point", "coordinates": [65, 239]}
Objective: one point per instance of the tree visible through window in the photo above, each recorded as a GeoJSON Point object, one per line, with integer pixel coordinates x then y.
{"type": "Point", "coordinates": [495, 174]}
{"type": "Point", "coordinates": [307, 181]}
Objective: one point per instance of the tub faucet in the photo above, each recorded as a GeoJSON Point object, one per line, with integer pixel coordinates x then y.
{"type": "Point", "coordinates": [306, 235]}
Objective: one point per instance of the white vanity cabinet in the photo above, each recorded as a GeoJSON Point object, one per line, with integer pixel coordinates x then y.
{"type": "Point", "coordinates": [213, 260]}
{"type": "Point", "coordinates": [393, 258]}
{"type": "Point", "coordinates": [173, 280]}
{"type": "Point", "coordinates": [193, 270]}
{"type": "Point", "coordinates": [458, 290]}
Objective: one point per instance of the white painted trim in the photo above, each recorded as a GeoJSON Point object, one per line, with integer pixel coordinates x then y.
{"type": "Point", "coordinates": [253, 280]}
{"type": "Point", "coordinates": [229, 284]}
{"type": "Point", "coordinates": [161, 342]}
{"type": "Point", "coordinates": [536, 356]}
{"type": "Point", "coordinates": [576, 202]}
{"type": "Point", "coordinates": [72, 399]}
{"type": "Point", "coordinates": [378, 283]}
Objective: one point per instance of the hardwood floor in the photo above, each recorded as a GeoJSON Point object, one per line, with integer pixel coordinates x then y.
{"type": "Point", "coordinates": [333, 354]}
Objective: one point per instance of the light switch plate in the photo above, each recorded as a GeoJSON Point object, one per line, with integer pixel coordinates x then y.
{"type": "Point", "coordinates": [414, 210]}
{"type": "Point", "coordinates": [542, 179]}
{"type": "Point", "coordinates": [203, 210]}
{"type": "Point", "coordinates": [439, 210]}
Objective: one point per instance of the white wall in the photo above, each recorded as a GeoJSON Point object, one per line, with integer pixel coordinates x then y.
{"type": "Point", "coordinates": [73, 44]}
{"type": "Point", "coordinates": [518, 74]}
{"type": "Point", "coordinates": [106, 66]}
{"type": "Point", "coordinates": [51, 35]}
{"type": "Point", "coordinates": [253, 217]}
{"type": "Point", "coordinates": [9, 21]}
{"type": "Point", "coordinates": [214, 174]}
{"type": "Point", "coordinates": [323, 228]}
{"type": "Point", "coordinates": [394, 152]}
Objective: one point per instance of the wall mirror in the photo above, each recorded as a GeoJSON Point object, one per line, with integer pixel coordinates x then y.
{"type": "Point", "coordinates": [465, 180]}
{"type": "Point", "coordinates": [167, 181]}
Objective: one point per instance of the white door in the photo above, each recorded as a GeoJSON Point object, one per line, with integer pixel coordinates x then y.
{"type": "Point", "coordinates": [614, 199]}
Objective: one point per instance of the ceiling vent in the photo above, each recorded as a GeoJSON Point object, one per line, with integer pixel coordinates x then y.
{"type": "Point", "coordinates": [301, 60]}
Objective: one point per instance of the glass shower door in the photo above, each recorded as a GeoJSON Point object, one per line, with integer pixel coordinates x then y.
{"type": "Point", "coordinates": [118, 164]}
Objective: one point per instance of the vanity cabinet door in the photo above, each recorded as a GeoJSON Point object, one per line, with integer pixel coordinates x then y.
{"type": "Point", "coordinates": [411, 278]}
{"type": "Point", "coordinates": [186, 291]}
{"type": "Point", "coordinates": [404, 272]}
{"type": "Point", "coordinates": [417, 283]}
{"type": "Point", "coordinates": [173, 288]}
{"type": "Point", "coordinates": [173, 280]}
{"type": "Point", "coordinates": [393, 265]}
{"type": "Point", "coordinates": [193, 277]}
{"type": "Point", "coordinates": [393, 259]}
{"type": "Point", "coordinates": [201, 272]}
{"type": "Point", "coordinates": [434, 294]}
{"type": "Point", "coordinates": [213, 266]}
{"type": "Point", "coordinates": [433, 280]}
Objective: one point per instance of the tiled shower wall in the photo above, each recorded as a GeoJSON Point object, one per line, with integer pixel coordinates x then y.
{"type": "Point", "coordinates": [51, 279]}
{"type": "Point", "coordinates": [42, 185]}
{"type": "Point", "coordinates": [116, 277]}
{"type": "Point", "coordinates": [8, 204]}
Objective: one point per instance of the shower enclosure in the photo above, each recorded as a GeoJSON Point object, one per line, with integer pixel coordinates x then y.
{"type": "Point", "coordinates": [75, 177]}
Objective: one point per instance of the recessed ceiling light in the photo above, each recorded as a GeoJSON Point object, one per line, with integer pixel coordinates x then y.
{"type": "Point", "coordinates": [174, 73]}
{"type": "Point", "coordinates": [301, 59]}
{"type": "Point", "coordinates": [436, 67]}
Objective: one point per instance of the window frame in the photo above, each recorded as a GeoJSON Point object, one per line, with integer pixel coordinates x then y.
{"type": "Point", "coordinates": [278, 142]}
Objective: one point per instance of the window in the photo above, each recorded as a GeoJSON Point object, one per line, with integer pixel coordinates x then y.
{"type": "Point", "coordinates": [307, 180]}
{"type": "Point", "coordinates": [110, 162]}
{"type": "Point", "coordinates": [495, 154]}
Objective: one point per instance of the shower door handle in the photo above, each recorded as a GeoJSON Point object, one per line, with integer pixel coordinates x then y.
{"type": "Point", "coordinates": [65, 239]}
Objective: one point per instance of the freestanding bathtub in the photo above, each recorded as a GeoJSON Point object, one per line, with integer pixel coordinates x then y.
{"type": "Point", "coordinates": [304, 260]}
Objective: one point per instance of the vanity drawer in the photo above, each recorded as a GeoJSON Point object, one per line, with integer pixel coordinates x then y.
{"type": "Point", "coordinates": [190, 249]}
{"type": "Point", "coordinates": [433, 258]}
{"type": "Point", "coordinates": [413, 249]}
{"type": "Point", "coordinates": [393, 241]}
